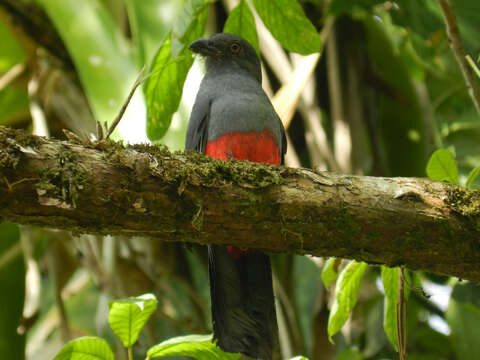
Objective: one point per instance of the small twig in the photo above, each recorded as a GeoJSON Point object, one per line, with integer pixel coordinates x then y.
{"type": "Point", "coordinates": [11, 75]}
{"type": "Point", "coordinates": [11, 185]}
{"type": "Point", "coordinates": [458, 49]}
{"type": "Point", "coordinates": [401, 316]}
{"type": "Point", "coordinates": [137, 82]}
{"type": "Point", "coordinates": [473, 66]}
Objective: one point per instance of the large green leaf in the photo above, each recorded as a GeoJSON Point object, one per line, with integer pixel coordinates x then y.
{"type": "Point", "coordinates": [148, 28]}
{"type": "Point", "coordinates": [127, 317]}
{"type": "Point", "coordinates": [85, 348]}
{"type": "Point", "coordinates": [442, 166]}
{"type": "Point", "coordinates": [288, 24]}
{"type": "Point", "coordinates": [13, 101]}
{"type": "Point", "coordinates": [242, 23]}
{"type": "Point", "coordinates": [99, 51]}
{"type": "Point", "coordinates": [199, 347]}
{"type": "Point", "coordinates": [346, 292]}
{"type": "Point", "coordinates": [12, 287]}
{"type": "Point", "coordinates": [390, 284]}
{"type": "Point", "coordinates": [11, 53]}
{"type": "Point", "coordinates": [169, 70]}
{"type": "Point", "coordinates": [463, 317]}
{"type": "Point", "coordinates": [13, 105]}
{"type": "Point", "coordinates": [189, 26]}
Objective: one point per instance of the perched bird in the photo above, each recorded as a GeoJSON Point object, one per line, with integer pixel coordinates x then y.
{"type": "Point", "coordinates": [233, 118]}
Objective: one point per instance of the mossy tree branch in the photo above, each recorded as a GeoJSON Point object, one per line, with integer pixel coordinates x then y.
{"type": "Point", "coordinates": [105, 188]}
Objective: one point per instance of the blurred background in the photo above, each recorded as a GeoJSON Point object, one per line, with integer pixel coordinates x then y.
{"type": "Point", "coordinates": [384, 93]}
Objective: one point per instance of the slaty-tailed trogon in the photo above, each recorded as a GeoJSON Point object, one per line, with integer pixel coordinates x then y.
{"type": "Point", "coordinates": [233, 118]}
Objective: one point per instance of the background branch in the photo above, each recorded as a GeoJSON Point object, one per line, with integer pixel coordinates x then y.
{"type": "Point", "coordinates": [459, 51]}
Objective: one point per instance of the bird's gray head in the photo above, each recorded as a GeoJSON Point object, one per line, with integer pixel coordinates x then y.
{"type": "Point", "coordinates": [226, 50]}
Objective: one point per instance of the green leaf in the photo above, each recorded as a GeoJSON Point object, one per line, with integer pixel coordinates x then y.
{"type": "Point", "coordinates": [346, 291]}
{"type": "Point", "coordinates": [189, 26]}
{"type": "Point", "coordinates": [472, 176]}
{"type": "Point", "coordinates": [11, 53]}
{"type": "Point", "coordinates": [85, 348]}
{"type": "Point", "coordinates": [127, 317]}
{"type": "Point", "coordinates": [390, 284]}
{"type": "Point", "coordinates": [163, 88]}
{"type": "Point", "coordinates": [288, 24]}
{"type": "Point", "coordinates": [463, 317]}
{"type": "Point", "coordinates": [13, 105]}
{"type": "Point", "coordinates": [299, 358]}
{"type": "Point", "coordinates": [12, 282]}
{"type": "Point", "coordinates": [200, 347]}
{"type": "Point", "coordinates": [442, 167]}
{"type": "Point", "coordinates": [146, 26]}
{"type": "Point", "coordinates": [330, 271]}
{"type": "Point", "coordinates": [99, 51]}
{"type": "Point", "coordinates": [242, 23]}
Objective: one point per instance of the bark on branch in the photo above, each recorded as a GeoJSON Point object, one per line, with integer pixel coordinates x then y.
{"type": "Point", "coordinates": [105, 188]}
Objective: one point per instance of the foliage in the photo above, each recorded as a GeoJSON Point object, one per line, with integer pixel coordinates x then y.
{"type": "Point", "coordinates": [348, 285]}
{"type": "Point", "coordinates": [127, 317]}
{"type": "Point", "coordinates": [387, 98]}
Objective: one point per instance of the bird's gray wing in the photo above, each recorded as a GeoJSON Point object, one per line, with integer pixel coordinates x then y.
{"type": "Point", "coordinates": [198, 125]}
{"type": "Point", "coordinates": [283, 150]}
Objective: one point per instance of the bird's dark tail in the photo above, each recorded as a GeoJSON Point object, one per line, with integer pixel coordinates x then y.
{"type": "Point", "coordinates": [243, 309]}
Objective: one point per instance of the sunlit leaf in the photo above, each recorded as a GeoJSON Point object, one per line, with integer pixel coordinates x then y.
{"type": "Point", "coordinates": [168, 72]}
{"type": "Point", "coordinates": [99, 51]}
{"type": "Point", "coordinates": [442, 167]}
{"type": "Point", "coordinates": [127, 317]}
{"type": "Point", "coordinates": [288, 24]}
{"type": "Point", "coordinates": [346, 292]}
{"type": "Point", "coordinates": [242, 23]}
{"type": "Point", "coordinates": [147, 28]}
{"type": "Point", "coordinates": [189, 25]}
{"type": "Point", "coordinates": [200, 347]}
{"type": "Point", "coordinates": [330, 271]}
{"type": "Point", "coordinates": [86, 348]}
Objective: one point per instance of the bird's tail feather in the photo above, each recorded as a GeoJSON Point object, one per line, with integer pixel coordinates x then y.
{"type": "Point", "coordinates": [243, 309]}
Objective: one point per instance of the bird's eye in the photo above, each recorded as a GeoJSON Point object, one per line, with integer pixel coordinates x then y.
{"type": "Point", "coordinates": [235, 47]}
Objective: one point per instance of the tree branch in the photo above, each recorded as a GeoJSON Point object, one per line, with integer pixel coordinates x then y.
{"type": "Point", "coordinates": [458, 49]}
{"type": "Point", "coordinates": [141, 190]}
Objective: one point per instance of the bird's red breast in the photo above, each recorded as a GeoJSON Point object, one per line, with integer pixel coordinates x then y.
{"type": "Point", "coordinates": [252, 146]}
